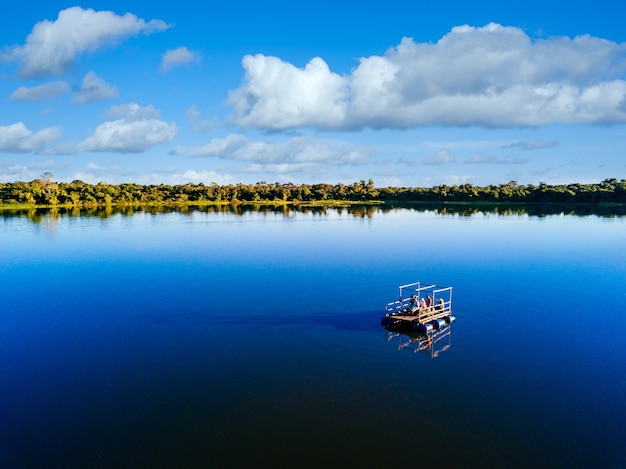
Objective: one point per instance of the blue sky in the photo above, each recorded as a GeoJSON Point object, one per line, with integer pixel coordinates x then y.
{"type": "Point", "coordinates": [419, 95]}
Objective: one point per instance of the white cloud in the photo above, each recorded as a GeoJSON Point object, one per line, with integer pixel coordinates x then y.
{"type": "Point", "coordinates": [93, 173]}
{"type": "Point", "coordinates": [11, 172]}
{"type": "Point", "coordinates": [41, 92]}
{"type": "Point", "coordinates": [406, 161]}
{"type": "Point", "coordinates": [300, 150]}
{"type": "Point", "coordinates": [532, 145]}
{"type": "Point", "coordinates": [53, 46]}
{"type": "Point", "coordinates": [14, 172]}
{"type": "Point", "coordinates": [132, 112]}
{"type": "Point", "coordinates": [283, 168]}
{"type": "Point", "coordinates": [450, 179]}
{"type": "Point", "coordinates": [17, 138]}
{"type": "Point", "coordinates": [196, 124]}
{"type": "Point", "coordinates": [196, 177]}
{"type": "Point", "coordinates": [175, 58]}
{"type": "Point", "coordinates": [493, 76]}
{"type": "Point", "coordinates": [135, 130]}
{"type": "Point", "coordinates": [443, 157]}
{"type": "Point", "coordinates": [219, 147]}
{"type": "Point", "coordinates": [277, 95]}
{"type": "Point", "coordinates": [93, 89]}
{"type": "Point", "coordinates": [485, 159]}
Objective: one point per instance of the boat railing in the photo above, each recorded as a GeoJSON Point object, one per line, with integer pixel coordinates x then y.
{"type": "Point", "coordinates": [407, 306]}
{"type": "Point", "coordinates": [398, 306]}
{"type": "Point", "coordinates": [411, 294]}
{"type": "Point", "coordinates": [433, 312]}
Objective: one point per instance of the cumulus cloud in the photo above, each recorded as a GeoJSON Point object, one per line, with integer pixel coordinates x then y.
{"type": "Point", "coordinates": [298, 154]}
{"type": "Point", "coordinates": [278, 96]}
{"type": "Point", "coordinates": [41, 92]}
{"type": "Point", "coordinates": [175, 58]}
{"type": "Point", "coordinates": [134, 130]}
{"type": "Point", "coordinates": [442, 157]}
{"type": "Point", "coordinates": [532, 145]}
{"type": "Point", "coordinates": [52, 46]}
{"type": "Point", "coordinates": [485, 159]}
{"type": "Point", "coordinates": [17, 138]}
{"type": "Point", "coordinates": [493, 76]}
{"type": "Point", "coordinates": [93, 89]}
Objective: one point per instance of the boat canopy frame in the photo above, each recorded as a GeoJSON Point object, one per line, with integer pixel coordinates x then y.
{"type": "Point", "coordinates": [409, 292]}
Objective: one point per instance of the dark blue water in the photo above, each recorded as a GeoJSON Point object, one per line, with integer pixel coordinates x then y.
{"type": "Point", "coordinates": [224, 340]}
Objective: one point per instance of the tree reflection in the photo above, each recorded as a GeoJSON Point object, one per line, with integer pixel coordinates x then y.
{"type": "Point", "coordinates": [366, 211]}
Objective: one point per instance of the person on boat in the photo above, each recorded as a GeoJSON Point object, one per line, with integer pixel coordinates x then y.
{"type": "Point", "coordinates": [413, 301]}
{"type": "Point", "coordinates": [422, 303]}
{"type": "Point", "coordinates": [440, 304]}
{"type": "Point", "coordinates": [429, 301]}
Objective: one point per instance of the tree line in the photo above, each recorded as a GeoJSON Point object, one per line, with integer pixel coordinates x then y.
{"type": "Point", "coordinates": [46, 192]}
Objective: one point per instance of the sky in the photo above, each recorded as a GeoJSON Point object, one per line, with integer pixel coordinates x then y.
{"type": "Point", "coordinates": [327, 92]}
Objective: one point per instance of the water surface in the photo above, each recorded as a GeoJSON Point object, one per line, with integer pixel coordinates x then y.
{"type": "Point", "coordinates": [228, 339]}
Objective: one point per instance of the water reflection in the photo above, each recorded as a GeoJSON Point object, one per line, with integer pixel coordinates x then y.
{"type": "Point", "coordinates": [368, 211]}
{"type": "Point", "coordinates": [431, 343]}
{"type": "Point", "coordinates": [154, 337]}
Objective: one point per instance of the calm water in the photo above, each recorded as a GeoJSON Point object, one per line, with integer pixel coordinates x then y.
{"type": "Point", "coordinates": [240, 340]}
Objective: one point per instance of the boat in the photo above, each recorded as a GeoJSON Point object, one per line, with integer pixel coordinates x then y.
{"type": "Point", "coordinates": [420, 307]}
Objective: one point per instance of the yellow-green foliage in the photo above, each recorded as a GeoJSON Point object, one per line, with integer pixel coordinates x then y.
{"type": "Point", "coordinates": [46, 192]}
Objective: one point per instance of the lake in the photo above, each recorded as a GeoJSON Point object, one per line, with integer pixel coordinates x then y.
{"type": "Point", "coordinates": [221, 338]}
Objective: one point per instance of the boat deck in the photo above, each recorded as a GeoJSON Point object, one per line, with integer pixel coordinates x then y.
{"type": "Point", "coordinates": [422, 317]}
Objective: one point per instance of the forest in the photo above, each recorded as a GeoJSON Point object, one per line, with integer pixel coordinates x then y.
{"type": "Point", "coordinates": [45, 192]}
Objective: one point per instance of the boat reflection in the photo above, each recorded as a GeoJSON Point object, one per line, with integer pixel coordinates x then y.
{"type": "Point", "coordinates": [431, 343]}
